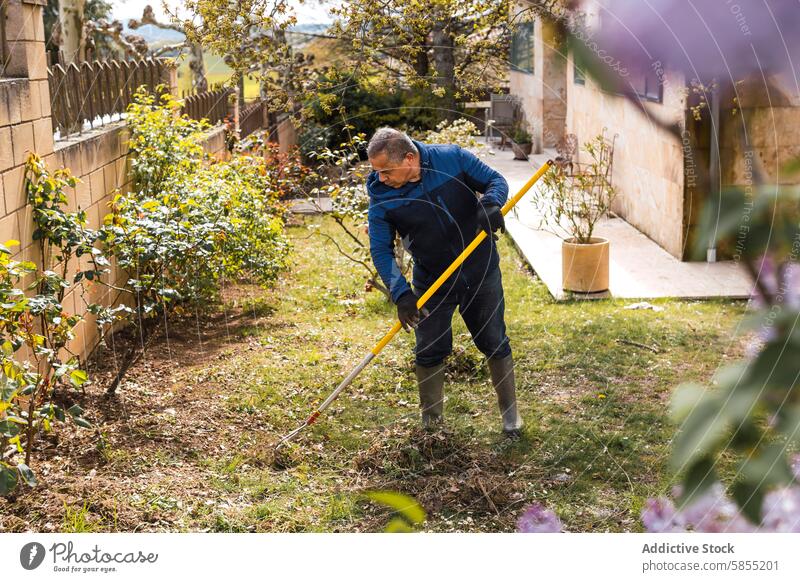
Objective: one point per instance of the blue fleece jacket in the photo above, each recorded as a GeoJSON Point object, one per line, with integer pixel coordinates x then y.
{"type": "Point", "coordinates": [436, 217]}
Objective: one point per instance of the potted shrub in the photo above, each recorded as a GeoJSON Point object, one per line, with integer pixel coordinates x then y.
{"type": "Point", "coordinates": [571, 204]}
{"type": "Point", "coordinates": [521, 142]}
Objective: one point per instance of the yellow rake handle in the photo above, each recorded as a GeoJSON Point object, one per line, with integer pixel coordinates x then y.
{"type": "Point", "coordinates": [420, 303]}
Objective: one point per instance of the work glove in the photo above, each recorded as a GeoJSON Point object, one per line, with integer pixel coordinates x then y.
{"type": "Point", "coordinates": [407, 311]}
{"type": "Point", "coordinates": [490, 218]}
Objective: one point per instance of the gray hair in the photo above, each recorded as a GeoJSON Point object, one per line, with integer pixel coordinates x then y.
{"type": "Point", "coordinates": [394, 142]}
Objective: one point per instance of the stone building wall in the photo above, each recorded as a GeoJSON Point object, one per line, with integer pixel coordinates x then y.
{"type": "Point", "coordinates": [648, 170]}
{"type": "Point", "coordinates": [529, 89]}
{"type": "Point", "coordinates": [648, 161]}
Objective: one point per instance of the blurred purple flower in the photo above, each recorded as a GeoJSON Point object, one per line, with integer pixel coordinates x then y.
{"type": "Point", "coordinates": [714, 512]}
{"type": "Point", "coordinates": [537, 519]}
{"type": "Point", "coordinates": [795, 464]}
{"type": "Point", "coordinates": [768, 277]}
{"type": "Point", "coordinates": [659, 516]}
{"type": "Point", "coordinates": [789, 286]}
{"type": "Point", "coordinates": [729, 40]}
{"type": "Point", "coordinates": [782, 510]}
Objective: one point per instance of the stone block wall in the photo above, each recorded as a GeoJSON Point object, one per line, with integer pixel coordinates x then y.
{"type": "Point", "coordinates": [648, 171]}
{"type": "Point", "coordinates": [98, 158]}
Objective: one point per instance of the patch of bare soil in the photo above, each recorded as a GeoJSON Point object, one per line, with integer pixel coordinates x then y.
{"type": "Point", "coordinates": [146, 463]}
{"type": "Point", "coordinates": [453, 478]}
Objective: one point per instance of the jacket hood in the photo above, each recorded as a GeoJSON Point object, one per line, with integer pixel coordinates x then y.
{"type": "Point", "coordinates": [379, 191]}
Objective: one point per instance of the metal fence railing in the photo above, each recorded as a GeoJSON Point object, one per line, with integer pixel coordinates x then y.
{"type": "Point", "coordinates": [90, 94]}
{"type": "Point", "coordinates": [252, 117]}
{"type": "Point", "coordinates": [213, 105]}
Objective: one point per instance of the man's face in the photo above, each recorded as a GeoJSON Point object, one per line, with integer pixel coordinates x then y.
{"type": "Point", "coordinates": [395, 174]}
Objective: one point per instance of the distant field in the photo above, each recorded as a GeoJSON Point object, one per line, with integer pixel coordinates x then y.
{"type": "Point", "coordinates": [216, 72]}
{"type": "Point", "coordinates": [325, 52]}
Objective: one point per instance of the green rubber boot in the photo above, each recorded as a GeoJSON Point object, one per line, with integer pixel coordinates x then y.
{"type": "Point", "coordinates": [502, 372]}
{"type": "Point", "coordinates": [430, 380]}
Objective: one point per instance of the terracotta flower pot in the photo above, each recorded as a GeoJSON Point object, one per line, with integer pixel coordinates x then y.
{"type": "Point", "coordinates": [584, 267]}
{"type": "Point", "coordinates": [521, 150]}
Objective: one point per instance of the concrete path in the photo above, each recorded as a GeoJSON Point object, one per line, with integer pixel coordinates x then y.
{"type": "Point", "coordinates": [639, 268]}
{"type": "Point", "coordinates": [303, 206]}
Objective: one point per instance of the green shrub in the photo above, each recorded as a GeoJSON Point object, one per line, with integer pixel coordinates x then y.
{"type": "Point", "coordinates": [350, 106]}
{"type": "Point", "coordinates": [37, 324]}
{"type": "Point", "coordinates": [188, 223]}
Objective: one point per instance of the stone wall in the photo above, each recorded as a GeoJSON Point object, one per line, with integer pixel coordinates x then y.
{"type": "Point", "coordinates": [648, 160]}
{"type": "Point", "coordinates": [554, 88]}
{"type": "Point", "coordinates": [771, 116]}
{"type": "Point", "coordinates": [99, 158]}
{"type": "Point", "coordinates": [24, 122]}
{"type": "Point", "coordinates": [764, 116]}
{"type": "Point", "coordinates": [543, 92]}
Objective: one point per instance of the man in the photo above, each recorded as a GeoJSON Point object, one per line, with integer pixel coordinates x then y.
{"type": "Point", "coordinates": [427, 194]}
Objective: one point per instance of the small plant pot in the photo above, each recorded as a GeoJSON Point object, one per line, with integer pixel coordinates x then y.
{"type": "Point", "coordinates": [584, 267]}
{"type": "Point", "coordinates": [521, 150]}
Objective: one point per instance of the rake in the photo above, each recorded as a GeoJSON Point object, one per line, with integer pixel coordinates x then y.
{"type": "Point", "coordinates": [420, 303]}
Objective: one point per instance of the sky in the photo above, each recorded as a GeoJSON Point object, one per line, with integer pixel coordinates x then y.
{"type": "Point", "coordinates": [310, 12]}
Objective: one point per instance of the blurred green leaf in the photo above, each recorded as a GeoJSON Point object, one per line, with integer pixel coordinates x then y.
{"type": "Point", "coordinates": [789, 423]}
{"type": "Point", "coordinates": [749, 498]}
{"type": "Point", "coordinates": [700, 476]}
{"type": "Point", "coordinates": [80, 421]}
{"type": "Point", "coordinates": [8, 480]}
{"type": "Point", "coordinates": [776, 365]}
{"type": "Point", "coordinates": [406, 506]}
{"type": "Point", "coordinates": [702, 430]}
{"type": "Point", "coordinates": [398, 525]}
{"type": "Point", "coordinates": [685, 398]}
{"type": "Point", "coordinates": [767, 466]}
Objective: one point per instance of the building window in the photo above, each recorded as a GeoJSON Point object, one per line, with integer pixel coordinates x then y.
{"type": "Point", "coordinates": [653, 87]}
{"type": "Point", "coordinates": [522, 48]}
{"type": "Point", "coordinates": [647, 85]}
{"type": "Point", "coordinates": [578, 74]}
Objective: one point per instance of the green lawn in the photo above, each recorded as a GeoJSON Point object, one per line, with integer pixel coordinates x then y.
{"type": "Point", "coordinates": [597, 435]}
{"type": "Point", "coordinates": [187, 443]}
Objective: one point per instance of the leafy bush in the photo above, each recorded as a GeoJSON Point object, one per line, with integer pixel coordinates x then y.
{"type": "Point", "coordinates": [285, 173]}
{"type": "Point", "coordinates": [188, 223]}
{"type": "Point", "coordinates": [39, 324]}
{"type": "Point", "coordinates": [520, 134]}
{"type": "Point", "coordinates": [571, 204]}
{"type": "Point", "coordinates": [348, 105]}
{"type": "Point", "coordinates": [460, 131]}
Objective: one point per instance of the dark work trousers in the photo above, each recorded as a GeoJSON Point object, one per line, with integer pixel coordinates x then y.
{"type": "Point", "coordinates": [481, 307]}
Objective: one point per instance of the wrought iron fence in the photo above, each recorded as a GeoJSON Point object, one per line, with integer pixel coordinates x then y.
{"type": "Point", "coordinates": [252, 117]}
{"type": "Point", "coordinates": [89, 94]}
{"type": "Point", "coordinates": [213, 105]}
